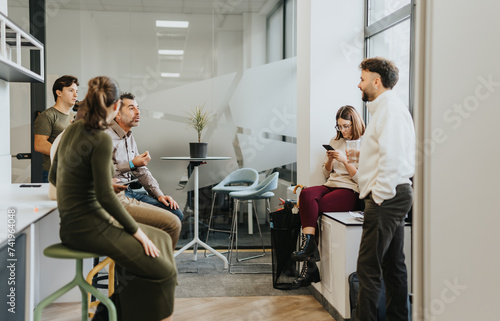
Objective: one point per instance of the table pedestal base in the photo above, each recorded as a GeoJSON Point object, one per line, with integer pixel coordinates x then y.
{"type": "Point", "coordinates": [195, 243]}
{"type": "Point", "coordinates": [196, 240]}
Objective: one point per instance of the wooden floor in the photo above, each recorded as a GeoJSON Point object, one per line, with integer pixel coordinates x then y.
{"type": "Point", "coordinates": [269, 308]}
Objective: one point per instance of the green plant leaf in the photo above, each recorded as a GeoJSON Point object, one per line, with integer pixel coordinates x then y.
{"type": "Point", "coordinates": [198, 119]}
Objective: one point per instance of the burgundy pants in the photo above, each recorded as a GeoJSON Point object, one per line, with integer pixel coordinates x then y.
{"type": "Point", "coordinates": [318, 199]}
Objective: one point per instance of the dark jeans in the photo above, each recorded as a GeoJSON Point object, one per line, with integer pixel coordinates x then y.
{"type": "Point", "coordinates": [45, 176]}
{"type": "Point", "coordinates": [381, 254]}
{"type": "Point", "coordinates": [153, 201]}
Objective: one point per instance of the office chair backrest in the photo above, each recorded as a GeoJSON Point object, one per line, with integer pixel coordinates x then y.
{"type": "Point", "coordinates": [267, 185]}
{"type": "Point", "coordinates": [242, 175]}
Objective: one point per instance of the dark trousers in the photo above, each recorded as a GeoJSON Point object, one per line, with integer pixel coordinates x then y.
{"type": "Point", "coordinates": [381, 254]}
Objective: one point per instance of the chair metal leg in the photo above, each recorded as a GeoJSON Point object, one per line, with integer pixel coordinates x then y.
{"type": "Point", "coordinates": [213, 229]}
{"type": "Point", "coordinates": [233, 235]}
{"type": "Point", "coordinates": [234, 244]}
{"type": "Point", "coordinates": [261, 238]}
{"type": "Point", "coordinates": [214, 196]}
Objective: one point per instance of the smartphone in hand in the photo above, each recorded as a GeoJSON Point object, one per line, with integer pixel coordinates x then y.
{"type": "Point", "coordinates": [128, 182]}
{"type": "Point", "coordinates": [328, 147]}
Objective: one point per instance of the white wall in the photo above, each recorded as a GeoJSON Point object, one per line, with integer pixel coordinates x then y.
{"type": "Point", "coordinates": [329, 51]}
{"type": "Point", "coordinates": [457, 114]}
{"type": "Point", "coordinates": [3, 7]}
{"type": "Point", "coordinates": [5, 159]}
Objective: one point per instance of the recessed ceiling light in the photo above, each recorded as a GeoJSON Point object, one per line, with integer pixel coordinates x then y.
{"type": "Point", "coordinates": [172, 24]}
{"type": "Point", "coordinates": [170, 75]}
{"type": "Point", "coordinates": [171, 52]}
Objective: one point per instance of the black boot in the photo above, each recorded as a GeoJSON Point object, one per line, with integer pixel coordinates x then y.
{"type": "Point", "coordinates": [308, 249]}
{"type": "Point", "coordinates": [101, 312]}
{"type": "Point", "coordinates": [309, 274]}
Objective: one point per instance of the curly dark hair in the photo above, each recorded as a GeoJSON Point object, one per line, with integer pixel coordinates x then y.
{"type": "Point", "coordinates": [103, 92]}
{"type": "Point", "coordinates": [127, 95]}
{"type": "Point", "coordinates": [61, 82]}
{"type": "Point", "coordinates": [350, 113]}
{"type": "Point", "coordinates": [389, 73]}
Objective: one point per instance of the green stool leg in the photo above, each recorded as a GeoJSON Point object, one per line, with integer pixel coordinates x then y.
{"type": "Point", "coordinates": [85, 303]}
{"type": "Point", "coordinates": [84, 288]}
{"type": "Point", "coordinates": [51, 298]}
{"type": "Point", "coordinates": [101, 297]}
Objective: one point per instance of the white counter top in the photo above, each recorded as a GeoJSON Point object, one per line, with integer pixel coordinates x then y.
{"type": "Point", "coordinates": [29, 203]}
{"type": "Point", "coordinates": [344, 217]}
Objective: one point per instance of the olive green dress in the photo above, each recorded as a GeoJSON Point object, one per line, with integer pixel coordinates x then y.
{"type": "Point", "coordinates": [90, 212]}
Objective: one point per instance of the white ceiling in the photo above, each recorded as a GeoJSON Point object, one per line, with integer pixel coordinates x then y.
{"type": "Point", "coordinates": [167, 6]}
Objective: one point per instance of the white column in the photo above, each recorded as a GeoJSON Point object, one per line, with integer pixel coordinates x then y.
{"type": "Point", "coordinates": [329, 50]}
{"type": "Point", "coordinates": [457, 113]}
{"type": "Point", "coordinates": [254, 40]}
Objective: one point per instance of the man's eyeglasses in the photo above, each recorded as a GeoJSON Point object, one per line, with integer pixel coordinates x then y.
{"type": "Point", "coordinates": [346, 127]}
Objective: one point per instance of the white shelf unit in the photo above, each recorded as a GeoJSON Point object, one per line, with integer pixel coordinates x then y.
{"type": "Point", "coordinates": [14, 39]}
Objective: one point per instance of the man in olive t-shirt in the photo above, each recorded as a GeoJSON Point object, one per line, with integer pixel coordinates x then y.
{"type": "Point", "coordinates": [51, 122]}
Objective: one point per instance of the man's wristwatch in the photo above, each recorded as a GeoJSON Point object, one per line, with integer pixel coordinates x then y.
{"type": "Point", "coordinates": [132, 166]}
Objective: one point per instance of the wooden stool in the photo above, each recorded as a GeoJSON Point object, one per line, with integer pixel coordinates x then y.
{"type": "Point", "coordinates": [111, 281]}
{"type": "Point", "coordinates": [60, 251]}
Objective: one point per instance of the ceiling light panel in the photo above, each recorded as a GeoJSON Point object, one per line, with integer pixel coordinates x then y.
{"type": "Point", "coordinates": [172, 24]}
{"type": "Point", "coordinates": [170, 75]}
{"type": "Point", "coordinates": [171, 52]}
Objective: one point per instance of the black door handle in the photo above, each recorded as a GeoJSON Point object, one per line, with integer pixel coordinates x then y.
{"type": "Point", "coordinates": [22, 156]}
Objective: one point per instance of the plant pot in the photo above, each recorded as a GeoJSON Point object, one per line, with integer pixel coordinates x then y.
{"type": "Point", "coordinates": [198, 150]}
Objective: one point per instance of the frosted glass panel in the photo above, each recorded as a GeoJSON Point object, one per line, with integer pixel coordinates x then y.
{"type": "Point", "coordinates": [263, 153]}
{"type": "Point", "coordinates": [264, 100]}
{"type": "Point", "coordinates": [264, 109]}
{"type": "Point", "coordinates": [254, 104]}
{"type": "Point", "coordinates": [164, 116]}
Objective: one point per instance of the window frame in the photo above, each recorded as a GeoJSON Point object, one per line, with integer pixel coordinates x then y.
{"type": "Point", "coordinates": [283, 5]}
{"type": "Point", "coordinates": [386, 23]}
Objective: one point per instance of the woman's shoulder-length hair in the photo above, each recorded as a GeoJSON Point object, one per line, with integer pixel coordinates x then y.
{"type": "Point", "coordinates": [350, 113]}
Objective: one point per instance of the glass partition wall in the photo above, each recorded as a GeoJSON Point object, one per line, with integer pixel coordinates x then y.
{"type": "Point", "coordinates": [176, 55]}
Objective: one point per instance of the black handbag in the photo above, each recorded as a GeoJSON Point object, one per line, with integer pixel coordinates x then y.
{"type": "Point", "coordinates": [285, 229]}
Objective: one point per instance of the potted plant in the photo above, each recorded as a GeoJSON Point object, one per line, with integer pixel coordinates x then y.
{"type": "Point", "coordinates": [198, 119]}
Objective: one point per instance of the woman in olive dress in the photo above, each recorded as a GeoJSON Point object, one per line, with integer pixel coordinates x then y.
{"type": "Point", "coordinates": [93, 219]}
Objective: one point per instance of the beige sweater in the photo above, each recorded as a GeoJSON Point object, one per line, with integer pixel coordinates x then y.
{"type": "Point", "coordinates": [339, 177]}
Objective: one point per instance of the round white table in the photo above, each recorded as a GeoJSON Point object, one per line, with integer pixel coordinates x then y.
{"type": "Point", "coordinates": [196, 240]}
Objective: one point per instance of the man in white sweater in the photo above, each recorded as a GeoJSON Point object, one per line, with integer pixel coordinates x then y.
{"type": "Point", "coordinates": [386, 164]}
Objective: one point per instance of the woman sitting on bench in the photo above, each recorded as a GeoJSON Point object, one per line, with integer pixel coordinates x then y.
{"type": "Point", "coordinates": [340, 193]}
